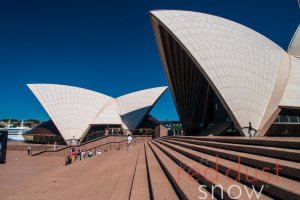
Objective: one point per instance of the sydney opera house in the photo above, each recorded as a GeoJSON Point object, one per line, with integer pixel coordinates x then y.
{"type": "Point", "coordinates": [221, 72]}
{"type": "Point", "coordinates": [75, 112]}
{"type": "Point", "coordinates": [223, 77]}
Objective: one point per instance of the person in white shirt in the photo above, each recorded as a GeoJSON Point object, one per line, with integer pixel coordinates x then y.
{"type": "Point", "coordinates": [129, 139]}
{"type": "Point", "coordinates": [82, 154]}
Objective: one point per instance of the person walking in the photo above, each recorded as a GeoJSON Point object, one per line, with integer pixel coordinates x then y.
{"type": "Point", "coordinates": [29, 150]}
{"type": "Point", "coordinates": [129, 140]}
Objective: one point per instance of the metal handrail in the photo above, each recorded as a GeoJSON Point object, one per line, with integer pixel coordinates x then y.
{"type": "Point", "coordinates": [141, 131]}
{"type": "Point", "coordinates": [44, 148]}
{"type": "Point", "coordinates": [61, 146]}
{"type": "Point", "coordinates": [96, 148]}
{"type": "Point", "coordinates": [134, 141]}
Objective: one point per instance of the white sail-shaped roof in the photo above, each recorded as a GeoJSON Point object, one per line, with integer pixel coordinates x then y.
{"type": "Point", "coordinates": [71, 109]}
{"type": "Point", "coordinates": [247, 71]}
{"type": "Point", "coordinates": [134, 106]}
{"type": "Point", "coordinates": [74, 109]}
{"type": "Point", "coordinates": [291, 98]}
{"type": "Point", "coordinates": [294, 47]}
{"type": "Point", "coordinates": [109, 114]}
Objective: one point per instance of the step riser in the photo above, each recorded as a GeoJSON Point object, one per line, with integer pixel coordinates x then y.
{"type": "Point", "coordinates": [249, 149]}
{"type": "Point", "coordinates": [293, 173]}
{"type": "Point", "coordinates": [259, 142]}
{"type": "Point", "coordinates": [160, 186]}
{"type": "Point", "coordinates": [140, 187]}
{"type": "Point", "coordinates": [190, 170]}
{"type": "Point", "coordinates": [271, 189]}
{"type": "Point", "coordinates": [178, 190]}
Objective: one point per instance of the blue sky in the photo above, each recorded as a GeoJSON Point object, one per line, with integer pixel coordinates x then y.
{"type": "Point", "coordinates": [106, 46]}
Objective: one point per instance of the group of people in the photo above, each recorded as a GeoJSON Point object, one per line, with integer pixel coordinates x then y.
{"type": "Point", "coordinates": [113, 131]}
{"type": "Point", "coordinates": [177, 132]}
{"type": "Point", "coordinates": [79, 154]}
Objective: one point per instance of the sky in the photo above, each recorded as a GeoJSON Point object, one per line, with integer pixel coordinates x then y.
{"type": "Point", "coordinates": [107, 46]}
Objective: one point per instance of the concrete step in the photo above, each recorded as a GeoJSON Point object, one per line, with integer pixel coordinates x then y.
{"type": "Point", "coordinates": [74, 180]}
{"type": "Point", "coordinates": [273, 152]}
{"type": "Point", "coordinates": [288, 168]}
{"type": "Point", "coordinates": [105, 178]}
{"type": "Point", "coordinates": [140, 187]}
{"type": "Point", "coordinates": [185, 188]}
{"type": "Point", "coordinates": [282, 142]}
{"type": "Point", "coordinates": [160, 186]}
{"type": "Point", "coordinates": [108, 175]}
{"type": "Point", "coordinates": [274, 185]}
{"type": "Point", "coordinates": [209, 177]}
{"type": "Point", "coordinates": [107, 181]}
{"type": "Point", "coordinates": [124, 185]}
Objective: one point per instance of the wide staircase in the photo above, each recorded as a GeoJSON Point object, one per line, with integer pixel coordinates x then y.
{"type": "Point", "coordinates": [268, 164]}
{"type": "Point", "coordinates": [180, 168]}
